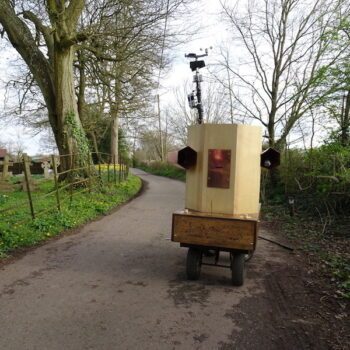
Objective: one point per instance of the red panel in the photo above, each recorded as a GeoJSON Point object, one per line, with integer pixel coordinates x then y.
{"type": "Point", "coordinates": [219, 166]}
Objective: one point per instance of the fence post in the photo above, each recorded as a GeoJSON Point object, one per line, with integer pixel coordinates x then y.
{"type": "Point", "coordinates": [109, 161]}
{"type": "Point", "coordinates": [120, 170]}
{"type": "Point", "coordinates": [89, 171]}
{"type": "Point", "coordinates": [26, 175]}
{"type": "Point", "coordinates": [291, 205]}
{"type": "Point", "coordinates": [71, 180]}
{"type": "Point", "coordinates": [53, 160]}
{"type": "Point", "coordinates": [99, 167]}
{"type": "Point", "coordinates": [114, 170]}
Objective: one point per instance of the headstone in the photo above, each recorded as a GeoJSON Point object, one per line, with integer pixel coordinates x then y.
{"type": "Point", "coordinates": [46, 167]}
{"type": "Point", "coordinates": [5, 185]}
{"type": "Point", "coordinates": [32, 186]}
{"type": "Point", "coordinates": [27, 177]}
{"type": "Point", "coordinates": [57, 163]}
{"type": "Point", "coordinates": [5, 168]}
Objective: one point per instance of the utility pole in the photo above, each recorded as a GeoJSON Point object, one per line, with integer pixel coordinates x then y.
{"type": "Point", "coordinates": [160, 131]}
{"type": "Point", "coordinates": [162, 156]}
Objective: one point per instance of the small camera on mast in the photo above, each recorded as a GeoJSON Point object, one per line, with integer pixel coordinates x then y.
{"type": "Point", "coordinates": [192, 100]}
{"type": "Point", "coordinates": [197, 78]}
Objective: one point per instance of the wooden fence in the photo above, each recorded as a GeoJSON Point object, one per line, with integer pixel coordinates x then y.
{"type": "Point", "coordinates": [95, 175]}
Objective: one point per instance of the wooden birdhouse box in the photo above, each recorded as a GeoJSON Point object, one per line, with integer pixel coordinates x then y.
{"type": "Point", "coordinates": [225, 178]}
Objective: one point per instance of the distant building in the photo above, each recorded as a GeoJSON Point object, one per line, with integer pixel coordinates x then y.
{"type": "Point", "coordinates": [3, 153]}
{"type": "Point", "coordinates": [40, 159]}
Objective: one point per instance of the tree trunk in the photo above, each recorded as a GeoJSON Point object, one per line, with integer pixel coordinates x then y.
{"type": "Point", "coordinates": [71, 138]}
{"type": "Point", "coordinates": [161, 145]}
{"type": "Point", "coordinates": [94, 140]}
{"type": "Point", "coordinates": [82, 86]}
{"type": "Point", "coordinates": [114, 138]}
{"type": "Point", "coordinates": [55, 75]}
{"type": "Point", "coordinates": [274, 172]}
{"type": "Point", "coordinates": [115, 98]}
{"type": "Point", "coordinates": [22, 40]}
{"type": "Point", "coordinates": [271, 132]}
{"type": "Point", "coordinates": [345, 121]}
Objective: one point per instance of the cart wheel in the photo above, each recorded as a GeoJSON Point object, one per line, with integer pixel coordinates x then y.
{"type": "Point", "coordinates": [248, 256]}
{"type": "Point", "coordinates": [237, 268]}
{"type": "Point", "coordinates": [193, 263]}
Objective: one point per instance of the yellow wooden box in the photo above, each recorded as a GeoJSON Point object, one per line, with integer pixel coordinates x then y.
{"type": "Point", "coordinates": [241, 198]}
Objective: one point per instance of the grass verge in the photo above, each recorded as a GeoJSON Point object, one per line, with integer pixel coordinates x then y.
{"type": "Point", "coordinates": [84, 207]}
{"type": "Point", "coordinates": [164, 169]}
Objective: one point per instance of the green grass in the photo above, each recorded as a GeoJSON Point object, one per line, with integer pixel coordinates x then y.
{"type": "Point", "coordinates": [164, 169]}
{"type": "Point", "coordinates": [84, 207]}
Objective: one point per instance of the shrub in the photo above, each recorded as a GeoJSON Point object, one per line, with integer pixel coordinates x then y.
{"type": "Point", "coordinates": [318, 178]}
{"type": "Point", "coordinates": [164, 169]}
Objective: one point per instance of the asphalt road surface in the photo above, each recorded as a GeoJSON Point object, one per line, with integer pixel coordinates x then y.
{"type": "Point", "coordinates": [119, 283]}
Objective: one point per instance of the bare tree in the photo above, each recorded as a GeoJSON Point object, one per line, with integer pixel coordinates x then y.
{"type": "Point", "coordinates": [121, 63]}
{"type": "Point", "coordinates": [284, 45]}
{"type": "Point", "coordinates": [47, 35]}
{"type": "Point", "coordinates": [336, 78]}
{"type": "Point", "coordinates": [47, 142]}
{"type": "Point", "coordinates": [216, 109]}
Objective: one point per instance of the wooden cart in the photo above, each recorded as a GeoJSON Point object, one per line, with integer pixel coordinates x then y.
{"type": "Point", "coordinates": [223, 164]}
{"type": "Point", "coordinates": [203, 232]}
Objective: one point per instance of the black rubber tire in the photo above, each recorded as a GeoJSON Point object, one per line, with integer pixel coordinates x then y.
{"type": "Point", "coordinates": [237, 269]}
{"type": "Point", "coordinates": [193, 264]}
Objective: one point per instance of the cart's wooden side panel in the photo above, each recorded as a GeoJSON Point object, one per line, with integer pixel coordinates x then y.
{"type": "Point", "coordinates": [214, 232]}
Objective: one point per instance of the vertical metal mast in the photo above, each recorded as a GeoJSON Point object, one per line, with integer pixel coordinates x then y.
{"type": "Point", "coordinates": [197, 78]}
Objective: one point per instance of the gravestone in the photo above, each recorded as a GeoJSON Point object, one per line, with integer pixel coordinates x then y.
{"type": "Point", "coordinates": [5, 185]}
{"type": "Point", "coordinates": [27, 179]}
{"type": "Point", "coordinates": [57, 163]}
{"type": "Point", "coordinates": [46, 167]}
{"type": "Point", "coordinates": [5, 168]}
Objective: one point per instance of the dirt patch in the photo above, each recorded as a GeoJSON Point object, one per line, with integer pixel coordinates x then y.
{"type": "Point", "coordinates": [137, 283]}
{"type": "Point", "coordinates": [200, 338]}
{"type": "Point", "coordinates": [24, 282]}
{"type": "Point", "coordinates": [186, 293]}
{"type": "Point", "coordinates": [304, 308]}
{"type": "Point", "coordinates": [288, 316]}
